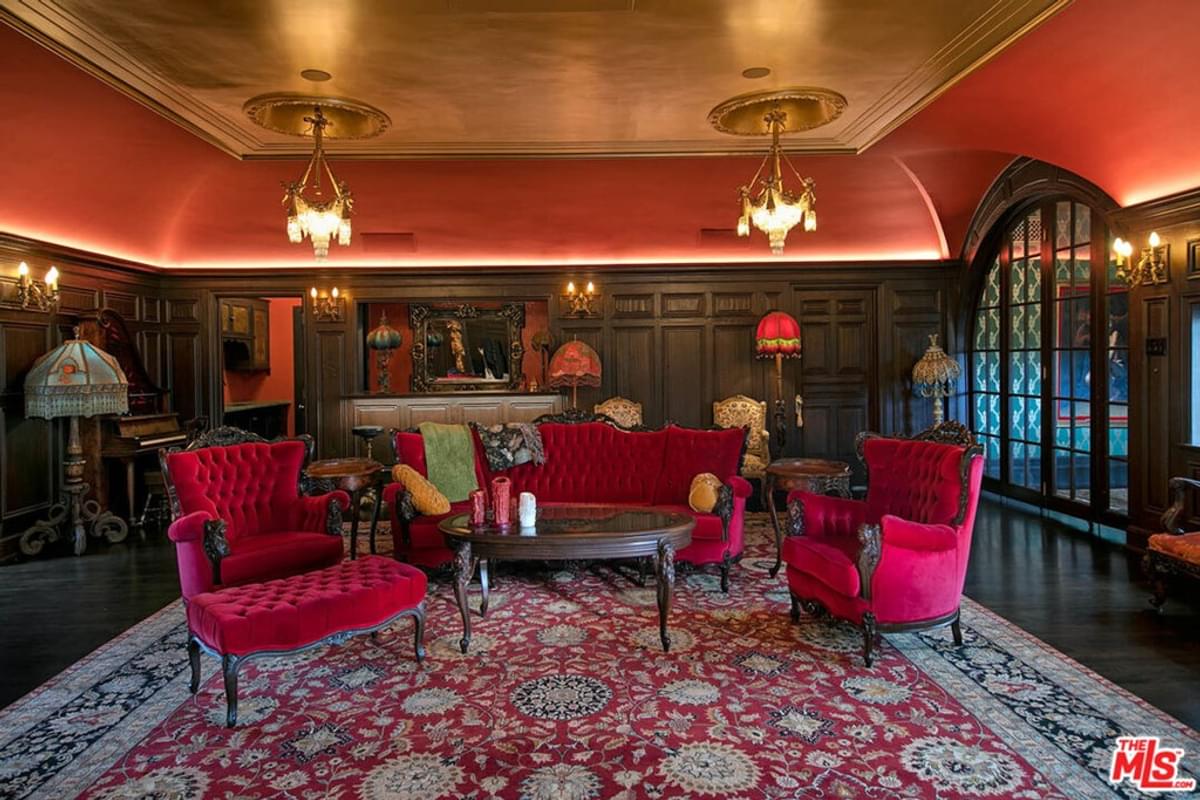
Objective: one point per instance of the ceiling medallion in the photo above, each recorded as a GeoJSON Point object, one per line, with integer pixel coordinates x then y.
{"type": "Point", "coordinates": [310, 211]}
{"type": "Point", "coordinates": [765, 201]}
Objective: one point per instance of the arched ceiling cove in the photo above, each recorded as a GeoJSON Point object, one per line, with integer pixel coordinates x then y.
{"type": "Point", "coordinates": [89, 167]}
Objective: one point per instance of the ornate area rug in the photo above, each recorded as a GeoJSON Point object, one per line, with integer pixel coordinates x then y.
{"type": "Point", "coordinates": [567, 695]}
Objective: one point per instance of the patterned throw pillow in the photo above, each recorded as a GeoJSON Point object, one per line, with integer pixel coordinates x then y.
{"type": "Point", "coordinates": [425, 496]}
{"type": "Point", "coordinates": [702, 497]}
{"type": "Point", "coordinates": [507, 446]}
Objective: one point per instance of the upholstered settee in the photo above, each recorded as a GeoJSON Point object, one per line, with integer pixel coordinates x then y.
{"type": "Point", "coordinates": [590, 460]}
{"type": "Point", "coordinates": [895, 561]}
{"type": "Point", "coordinates": [238, 513]}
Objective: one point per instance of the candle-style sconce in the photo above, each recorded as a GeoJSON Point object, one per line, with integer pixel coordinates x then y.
{"type": "Point", "coordinates": [1151, 269]}
{"type": "Point", "coordinates": [42, 295]}
{"type": "Point", "coordinates": [582, 303]}
{"type": "Point", "coordinates": [327, 307]}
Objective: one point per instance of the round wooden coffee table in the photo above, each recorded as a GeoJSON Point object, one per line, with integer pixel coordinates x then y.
{"type": "Point", "coordinates": [815, 475]}
{"type": "Point", "coordinates": [571, 533]}
{"type": "Point", "coordinates": [353, 476]}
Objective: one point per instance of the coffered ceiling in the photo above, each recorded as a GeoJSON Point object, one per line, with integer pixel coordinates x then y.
{"type": "Point", "coordinates": [529, 77]}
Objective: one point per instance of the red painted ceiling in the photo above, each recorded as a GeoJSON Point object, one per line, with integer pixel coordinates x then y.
{"type": "Point", "coordinates": [1105, 89]}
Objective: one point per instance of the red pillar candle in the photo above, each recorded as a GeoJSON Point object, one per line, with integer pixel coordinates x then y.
{"type": "Point", "coordinates": [478, 507]}
{"type": "Point", "coordinates": [501, 500]}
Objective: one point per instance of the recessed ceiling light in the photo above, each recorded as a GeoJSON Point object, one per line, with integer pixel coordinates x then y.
{"type": "Point", "coordinates": [315, 75]}
{"type": "Point", "coordinates": [756, 72]}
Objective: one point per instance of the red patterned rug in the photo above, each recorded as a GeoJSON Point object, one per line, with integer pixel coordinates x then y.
{"type": "Point", "coordinates": [567, 695]}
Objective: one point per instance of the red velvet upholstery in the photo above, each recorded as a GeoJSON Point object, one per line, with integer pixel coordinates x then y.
{"type": "Point", "coordinates": [271, 530]}
{"type": "Point", "coordinates": [293, 612]}
{"type": "Point", "coordinates": [594, 462]}
{"type": "Point", "coordinates": [914, 496]}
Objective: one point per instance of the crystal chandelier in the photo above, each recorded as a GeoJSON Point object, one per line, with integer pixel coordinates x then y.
{"type": "Point", "coordinates": [766, 203]}
{"type": "Point", "coordinates": [310, 212]}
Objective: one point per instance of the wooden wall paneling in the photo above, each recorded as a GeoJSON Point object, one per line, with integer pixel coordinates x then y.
{"type": "Point", "coordinates": [149, 344]}
{"type": "Point", "coordinates": [331, 384]}
{"type": "Point", "coordinates": [77, 299]}
{"type": "Point", "coordinates": [686, 369]}
{"type": "Point", "coordinates": [908, 315]}
{"type": "Point", "coordinates": [185, 376]}
{"type": "Point", "coordinates": [30, 460]}
{"type": "Point", "coordinates": [734, 367]}
{"type": "Point", "coordinates": [633, 367]}
{"type": "Point", "coordinates": [124, 303]}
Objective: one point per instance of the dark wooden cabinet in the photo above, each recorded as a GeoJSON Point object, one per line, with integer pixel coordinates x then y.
{"type": "Point", "coordinates": [268, 419]}
{"type": "Point", "coordinates": [246, 334]}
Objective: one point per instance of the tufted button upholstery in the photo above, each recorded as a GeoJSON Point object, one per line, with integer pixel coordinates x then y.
{"type": "Point", "coordinates": [914, 480]}
{"type": "Point", "coordinates": [690, 451]}
{"type": "Point", "coordinates": [292, 612]}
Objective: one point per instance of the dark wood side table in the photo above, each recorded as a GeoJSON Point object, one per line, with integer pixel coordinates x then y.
{"type": "Point", "coordinates": [353, 476]}
{"type": "Point", "coordinates": [572, 533]}
{"type": "Point", "coordinates": [815, 475]}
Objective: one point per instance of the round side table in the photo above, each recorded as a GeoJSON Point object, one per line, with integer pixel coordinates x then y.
{"type": "Point", "coordinates": [815, 475]}
{"type": "Point", "coordinates": [353, 476]}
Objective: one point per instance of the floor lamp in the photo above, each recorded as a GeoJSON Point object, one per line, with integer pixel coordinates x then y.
{"type": "Point", "coordinates": [575, 364]}
{"type": "Point", "coordinates": [935, 376]}
{"type": "Point", "coordinates": [778, 337]}
{"type": "Point", "coordinates": [75, 380]}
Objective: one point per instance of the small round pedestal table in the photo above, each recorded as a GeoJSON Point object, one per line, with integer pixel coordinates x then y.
{"type": "Point", "coordinates": [814, 475]}
{"type": "Point", "coordinates": [353, 476]}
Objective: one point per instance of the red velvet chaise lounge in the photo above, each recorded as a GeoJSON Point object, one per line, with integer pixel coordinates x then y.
{"type": "Point", "coordinates": [591, 459]}
{"type": "Point", "coordinates": [896, 561]}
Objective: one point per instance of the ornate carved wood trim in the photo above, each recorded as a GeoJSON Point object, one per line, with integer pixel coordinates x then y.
{"type": "Point", "coordinates": [1174, 513]}
{"type": "Point", "coordinates": [333, 518]}
{"type": "Point", "coordinates": [795, 517]}
{"type": "Point", "coordinates": [724, 509]}
{"type": "Point", "coordinates": [216, 546]}
{"type": "Point", "coordinates": [870, 548]}
{"type": "Point", "coordinates": [421, 314]}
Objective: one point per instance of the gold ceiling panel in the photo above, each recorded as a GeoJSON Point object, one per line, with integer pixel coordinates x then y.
{"type": "Point", "coordinates": [529, 77]}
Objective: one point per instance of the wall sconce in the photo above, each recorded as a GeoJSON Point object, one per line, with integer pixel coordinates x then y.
{"type": "Point", "coordinates": [326, 307]}
{"type": "Point", "coordinates": [1150, 269]}
{"type": "Point", "coordinates": [42, 296]}
{"type": "Point", "coordinates": [579, 304]}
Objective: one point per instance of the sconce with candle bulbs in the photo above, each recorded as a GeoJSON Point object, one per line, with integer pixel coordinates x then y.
{"type": "Point", "coordinates": [581, 303]}
{"type": "Point", "coordinates": [1151, 269]}
{"type": "Point", "coordinates": [42, 295]}
{"type": "Point", "coordinates": [326, 307]}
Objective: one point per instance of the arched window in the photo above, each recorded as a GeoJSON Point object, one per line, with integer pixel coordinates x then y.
{"type": "Point", "coordinates": [1049, 363]}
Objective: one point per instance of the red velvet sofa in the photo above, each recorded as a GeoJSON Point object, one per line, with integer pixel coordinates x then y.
{"type": "Point", "coordinates": [591, 459]}
{"type": "Point", "coordinates": [238, 514]}
{"type": "Point", "coordinates": [897, 560]}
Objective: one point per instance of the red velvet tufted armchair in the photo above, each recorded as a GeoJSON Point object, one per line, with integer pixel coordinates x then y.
{"type": "Point", "coordinates": [897, 560]}
{"type": "Point", "coordinates": [238, 514]}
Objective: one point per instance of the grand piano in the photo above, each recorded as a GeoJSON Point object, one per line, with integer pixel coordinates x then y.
{"type": "Point", "coordinates": [130, 443]}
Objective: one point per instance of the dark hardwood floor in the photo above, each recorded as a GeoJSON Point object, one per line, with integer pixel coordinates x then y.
{"type": "Point", "coordinates": [1082, 595]}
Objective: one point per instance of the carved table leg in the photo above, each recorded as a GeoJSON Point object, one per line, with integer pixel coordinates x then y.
{"type": "Point", "coordinates": [484, 587]}
{"type": "Point", "coordinates": [666, 581]}
{"type": "Point", "coordinates": [419, 633]}
{"type": "Point", "coordinates": [769, 498]}
{"type": "Point", "coordinates": [462, 577]}
{"type": "Point", "coordinates": [355, 502]}
{"type": "Point", "coordinates": [375, 513]}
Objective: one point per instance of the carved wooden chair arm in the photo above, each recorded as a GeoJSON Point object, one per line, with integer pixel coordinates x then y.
{"type": "Point", "coordinates": [870, 549]}
{"type": "Point", "coordinates": [1174, 513]}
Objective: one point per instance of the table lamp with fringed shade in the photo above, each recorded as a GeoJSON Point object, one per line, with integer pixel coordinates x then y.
{"type": "Point", "coordinates": [778, 337]}
{"type": "Point", "coordinates": [575, 364]}
{"type": "Point", "coordinates": [383, 339]}
{"type": "Point", "coordinates": [75, 380]}
{"type": "Point", "coordinates": [935, 376]}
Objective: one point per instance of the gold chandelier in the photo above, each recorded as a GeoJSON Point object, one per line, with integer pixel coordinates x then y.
{"type": "Point", "coordinates": [766, 203]}
{"type": "Point", "coordinates": [772, 208]}
{"type": "Point", "coordinates": [310, 212]}
{"type": "Point", "coordinates": [318, 205]}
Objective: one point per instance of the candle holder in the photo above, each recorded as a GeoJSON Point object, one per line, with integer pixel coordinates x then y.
{"type": "Point", "coordinates": [581, 304]}
{"type": "Point", "coordinates": [36, 294]}
{"type": "Point", "coordinates": [326, 307]}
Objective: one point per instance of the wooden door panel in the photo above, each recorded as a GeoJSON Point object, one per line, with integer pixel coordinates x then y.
{"type": "Point", "coordinates": [683, 351]}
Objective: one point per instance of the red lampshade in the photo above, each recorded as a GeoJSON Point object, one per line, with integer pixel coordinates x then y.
{"type": "Point", "coordinates": [778, 333]}
{"type": "Point", "coordinates": [575, 364]}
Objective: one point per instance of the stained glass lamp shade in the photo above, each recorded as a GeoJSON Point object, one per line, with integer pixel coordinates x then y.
{"type": "Point", "coordinates": [934, 376]}
{"type": "Point", "coordinates": [75, 380]}
{"type": "Point", "coordinates": [574, 364]}
{"type": "Point", "coordinates": [383, 339]}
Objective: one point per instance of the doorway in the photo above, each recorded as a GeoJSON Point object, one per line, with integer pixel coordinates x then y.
{"type": "Point", "coordinates": [262, 361]}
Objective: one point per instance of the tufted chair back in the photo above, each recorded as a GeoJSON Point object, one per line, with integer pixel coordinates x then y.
{"type": "Point", "coordinates": [920, 481]}
{"type": "Point", "coordinates": [243, 484]}
{"type": "Point", "coordinates": [593, 462]}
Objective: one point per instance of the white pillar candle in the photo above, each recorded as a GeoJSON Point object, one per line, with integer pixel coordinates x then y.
{"type": "Point", "coordinates": [527, 510]}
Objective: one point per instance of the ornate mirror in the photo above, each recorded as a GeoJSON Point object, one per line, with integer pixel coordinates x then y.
{"type": "Point", "coordinates": [466, 347]}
